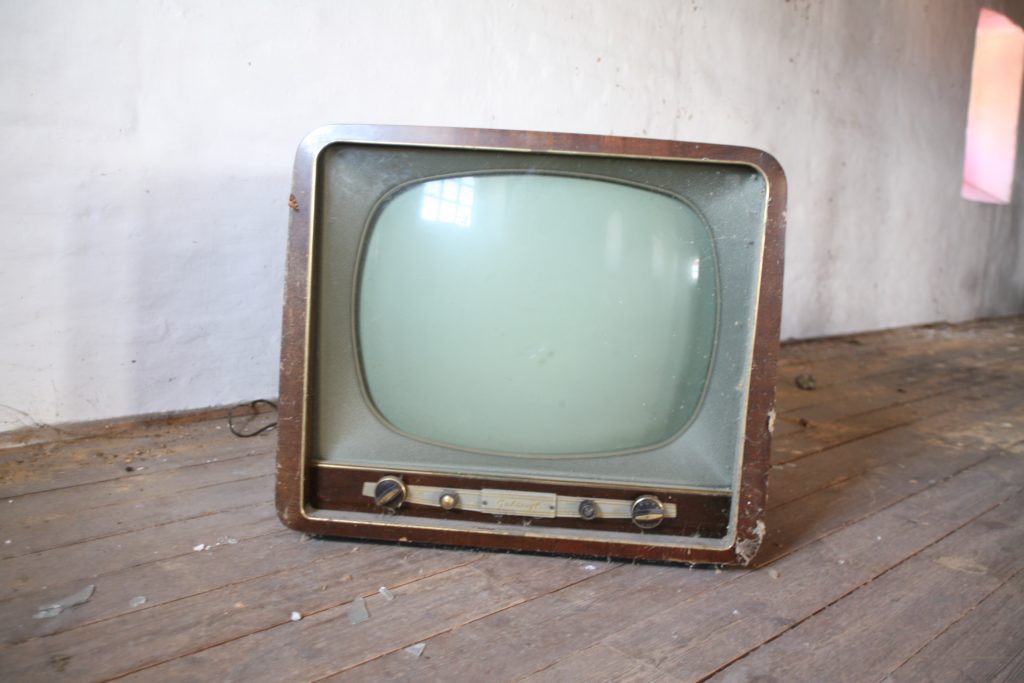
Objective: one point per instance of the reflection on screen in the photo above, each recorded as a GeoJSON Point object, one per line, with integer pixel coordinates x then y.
{"type": "Point", "coordinates": [537, 314]}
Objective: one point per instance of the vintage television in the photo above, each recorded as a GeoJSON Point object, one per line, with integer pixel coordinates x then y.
{"type": "Point", "coordinates": [531, 341]}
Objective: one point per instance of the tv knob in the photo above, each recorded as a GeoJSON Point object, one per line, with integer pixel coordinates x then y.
{"type": "Point", "coordinates": [448, 500]}
{"type": "Point", "coordinates": [389, 493]}
{"type": "Point", "coordinates": [647, 511]}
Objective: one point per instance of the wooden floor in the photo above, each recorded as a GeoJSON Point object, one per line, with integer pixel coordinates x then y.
{"type": "Point", "coordinates": [895, 551]}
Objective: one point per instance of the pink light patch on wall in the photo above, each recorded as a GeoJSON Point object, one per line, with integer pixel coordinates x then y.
{"type": "Point", "coordinates": [995, 104]}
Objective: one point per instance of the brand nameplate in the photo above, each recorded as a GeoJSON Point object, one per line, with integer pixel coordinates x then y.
{"type": "Point", "coordinates": [525, 503]}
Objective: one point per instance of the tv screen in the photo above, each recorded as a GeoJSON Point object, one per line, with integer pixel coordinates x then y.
{"type": "Point", "coordinates": [530, 341]}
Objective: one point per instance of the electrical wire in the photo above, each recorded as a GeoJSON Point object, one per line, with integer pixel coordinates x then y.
{"type": "Point", "coordinates": [254, 406]}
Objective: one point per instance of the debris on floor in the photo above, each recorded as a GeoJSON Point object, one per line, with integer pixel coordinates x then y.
{"type": "Point", "coordinates": [774, 573]}
{"type": "Point", "coordinates": [296, 616]}
{"type": "Point", "coordinates": [962, 564]}
{"type": "Point", "coordinates": [806, 382]}
{"type": "Point", "coordinates": [388, 595]}
{"type": "Point", "coordinates": [589, 567]}
{"type": "Point", "coordinates": [53, 609]}
{"type": "Point", "coordinates": [223, 540]}
{"type": "Point", "coordinates": [137, 601]}
{"type": "Point", "coordinates": [416, 650]}
{"type": "Point", "coordinates": [357, 613]}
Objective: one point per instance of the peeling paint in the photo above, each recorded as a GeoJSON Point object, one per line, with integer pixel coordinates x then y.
{"type": "Point", "coordinates": [748, 547]}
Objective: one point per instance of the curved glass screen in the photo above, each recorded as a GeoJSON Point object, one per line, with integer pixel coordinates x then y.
{"type": "Point", "coordinates": [528, 314]}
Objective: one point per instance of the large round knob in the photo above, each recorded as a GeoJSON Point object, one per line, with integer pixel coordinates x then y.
{"type": "Point", "coordinates": [389, 493]}
{"type": "Point", "coordinates": [647, 511]}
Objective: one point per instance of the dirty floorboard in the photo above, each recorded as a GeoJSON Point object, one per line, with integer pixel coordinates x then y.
{"type": "Point", "coordinates": [894, 552]}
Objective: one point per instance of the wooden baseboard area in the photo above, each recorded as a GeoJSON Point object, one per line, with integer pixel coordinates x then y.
{"type": "Point", "coordinates": [71, 431]}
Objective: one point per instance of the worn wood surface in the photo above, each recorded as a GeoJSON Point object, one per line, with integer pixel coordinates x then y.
{"type": "Point", "coordinates": [894, 552]}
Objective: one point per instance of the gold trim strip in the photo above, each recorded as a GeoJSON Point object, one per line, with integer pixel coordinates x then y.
{"type": "Point", "coordinates": [519, 503]}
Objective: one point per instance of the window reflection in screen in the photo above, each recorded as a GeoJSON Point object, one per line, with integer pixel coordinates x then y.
{"type": "Point", "coordinates": [448, 201]}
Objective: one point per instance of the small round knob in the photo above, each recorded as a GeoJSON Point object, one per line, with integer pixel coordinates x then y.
{"type": "Point", "coordinates": [449, 500]}
{"type": "Point", "coordinates": [647, 511]}
{"type": "Point", "coordinates": [588, 509]}
{"type": "Point", "coordinates": [389, 493]}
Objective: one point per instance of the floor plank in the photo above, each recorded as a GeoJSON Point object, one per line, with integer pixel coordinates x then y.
{"type": "Point", "coordinates": [31, 514]}
{"type": "Point", "coordinates": [49, 466]}
{"type": "Point", "coordinates": [892, 552]}
{"type": "Point", "coordinates": [986, 645]}
{"type": "Point", "coordinates": [873, 630]}
{"type": "Point", "coordinates": [248, 610]}
{"type": "Point", "coordinates": [117, 518]}
{"type": "Point", "coordinates": [329, 642]}
{"type": "Point", "coordinates": [598, 663]}
{"type": "Point", "coordinates": [47, 571]}
{"type": "Point", "coordinates": [691, 640]}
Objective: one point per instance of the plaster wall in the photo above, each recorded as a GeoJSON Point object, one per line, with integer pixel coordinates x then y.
{"type": "Point", "coordinates": [147, 150]}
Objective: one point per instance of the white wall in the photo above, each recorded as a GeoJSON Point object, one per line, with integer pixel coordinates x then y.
{"type": "Point", "coordinates": [146, 152]}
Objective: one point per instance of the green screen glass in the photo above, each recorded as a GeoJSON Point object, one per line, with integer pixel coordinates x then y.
{"type": "Point", "coordinates": [559, 317]}
{"type": "Point", "coordinates": [537, 313]}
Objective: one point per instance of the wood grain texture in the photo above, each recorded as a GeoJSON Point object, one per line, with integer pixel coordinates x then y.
{"type": "Point", "coordinates": [894, 551]}
{"type": "Point", "coordinates": [724, 624]}
{"type": "Point", "coordinates": [878, 626]}
{"type": "Point", "coordinates": [987, 644]}
{"type": "Point", "coordinates": [599, 663]}
{"type": "Point", "coordinates": [61, 464]}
